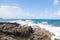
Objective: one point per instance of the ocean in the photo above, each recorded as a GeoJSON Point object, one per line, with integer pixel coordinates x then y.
{"type": "Point", "coordinates": [49, 21]}
{"type": "Point", "coordinates": [52, 25]}
{"type": "Point", "coordinates": [53, 22]}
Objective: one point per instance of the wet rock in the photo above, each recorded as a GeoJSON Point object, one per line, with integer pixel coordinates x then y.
{"type": "Point", "coordinates": [56, 39]}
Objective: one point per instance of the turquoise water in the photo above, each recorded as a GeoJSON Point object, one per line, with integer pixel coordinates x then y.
{"type": "Point", "coordinates": [49, 21]}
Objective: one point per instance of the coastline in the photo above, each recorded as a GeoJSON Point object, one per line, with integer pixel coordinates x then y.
{"type": "Point", "coordinates": [52, 31]}
{"type": "Point", "coordinates": [17, 31]}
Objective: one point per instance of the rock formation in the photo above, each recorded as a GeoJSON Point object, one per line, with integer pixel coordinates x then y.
{"type": "Point", "coordinates": [14, 31]}
{"type": "Point", "coordinates": [41, 34]}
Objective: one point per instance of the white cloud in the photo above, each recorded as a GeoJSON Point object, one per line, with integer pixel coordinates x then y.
{"type": "Point", "coordinates": [18, 12]}
{"type": "Point", "coordinates": [9, 12]}
{"type": "Point", "coordinates": [12, 12]}
{"type": "Point", "coordinates": [56, 2]}
{"type": "Point", "coordinates": [49, 15]}
{"type": "Point", "coordinates": [58, 12]}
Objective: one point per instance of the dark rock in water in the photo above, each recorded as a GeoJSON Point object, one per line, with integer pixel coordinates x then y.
{"type": "Point", "coordinates": [56, 39]}
{"type": "Point", "coordinates": [14, 31]}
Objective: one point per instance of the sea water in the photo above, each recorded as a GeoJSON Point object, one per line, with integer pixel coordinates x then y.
{"type": "Point", "coordinates": [52, 25]}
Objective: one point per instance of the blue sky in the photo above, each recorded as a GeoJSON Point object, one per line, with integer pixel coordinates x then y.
{"type": "Point", "coordinates": [30, 9]}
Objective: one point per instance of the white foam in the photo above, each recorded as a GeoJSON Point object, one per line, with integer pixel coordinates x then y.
{"type": "Point", "coordinates": [24, 22]}
{"type": "Point", "coordinates": [44, 22]}
{"type": "Point", "coordinates": [54, 30]}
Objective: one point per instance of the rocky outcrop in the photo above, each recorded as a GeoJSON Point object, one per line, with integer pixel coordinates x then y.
{"type": "Point", "coordinates": [14, 31]}
{"type": "Point", "coordinates": [41, 34]}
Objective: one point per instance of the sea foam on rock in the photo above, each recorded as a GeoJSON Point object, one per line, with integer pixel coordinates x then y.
{"type": "Point", "coordinates": [25, 32]}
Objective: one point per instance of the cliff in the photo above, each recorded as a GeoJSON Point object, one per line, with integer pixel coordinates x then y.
{"type": "Point", "coordinates": [14, 31]}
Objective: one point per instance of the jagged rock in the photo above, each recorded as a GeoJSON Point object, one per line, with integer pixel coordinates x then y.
{"type": "Point", "coordinates": [25, 32]}
{"type": "Point", "coordinates": [7, 38]}
{"type": "Point", "coordinates": [40, 34]}
{"type": "Point", "coordinates": [15, 29]}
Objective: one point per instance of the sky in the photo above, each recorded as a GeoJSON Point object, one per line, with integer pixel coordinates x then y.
{"type": "Point", "coordinates": [30, 9]}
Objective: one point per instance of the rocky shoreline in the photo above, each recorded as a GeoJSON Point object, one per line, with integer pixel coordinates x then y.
{"type": "Point", "coordinates": [14, 31]}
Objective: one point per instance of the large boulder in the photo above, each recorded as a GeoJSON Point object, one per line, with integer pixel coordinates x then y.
{"type": "Point", "coordinates": [41, 34]}
{"type": "Point", "coordinates": [17, 32]}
